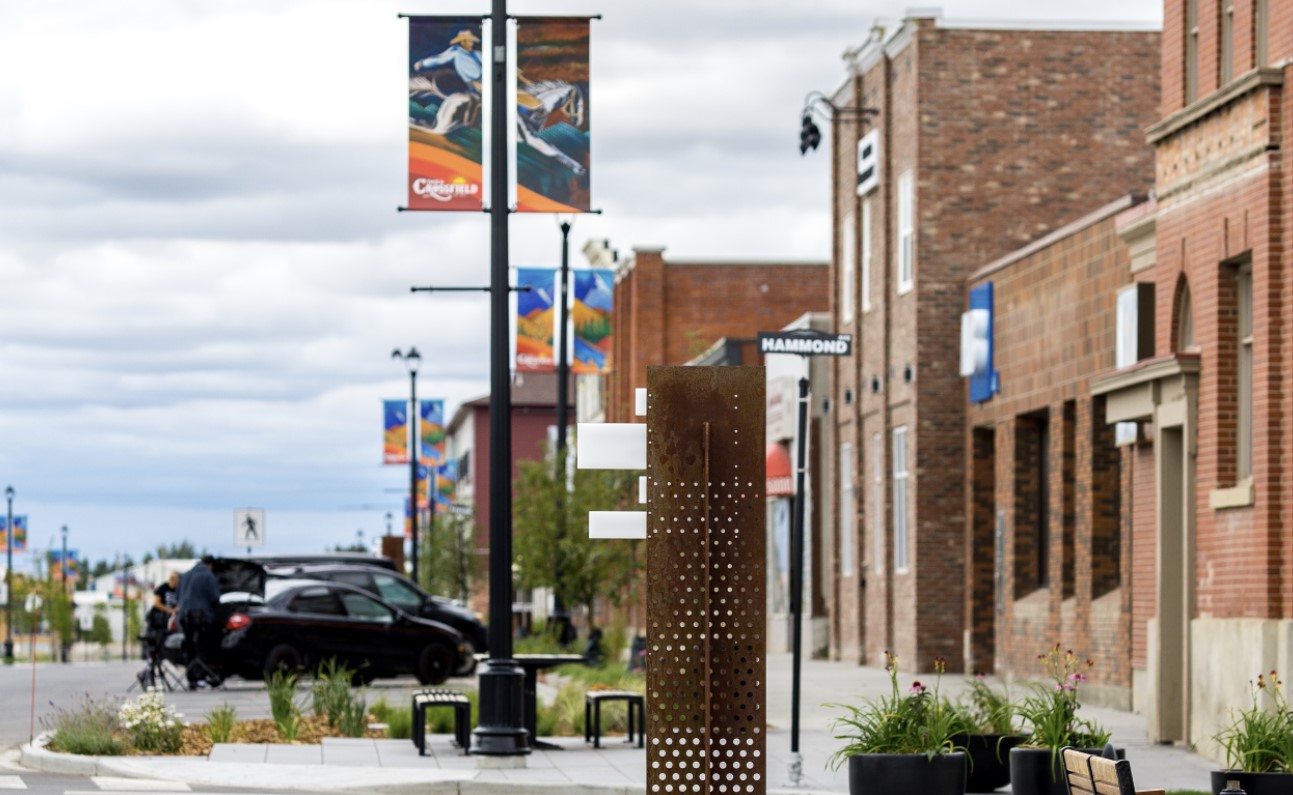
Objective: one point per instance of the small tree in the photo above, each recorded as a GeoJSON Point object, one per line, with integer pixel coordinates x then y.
{"type": "Point", "coordinates": [563, 558]}
{"type": "Point", "coordinates": [448, 564]}
{"type": "Point", "coordinates": [100, 629]}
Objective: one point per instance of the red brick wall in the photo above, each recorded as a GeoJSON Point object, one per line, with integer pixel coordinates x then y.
{"type": "Point", "coordinates": [668, 312]}
{"type": "Point", "coordinates": [1055, 329]}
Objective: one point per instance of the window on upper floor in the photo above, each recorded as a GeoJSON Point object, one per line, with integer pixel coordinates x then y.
{"type": "Point", "coordinates": [866, 255]}
{"type": "Point", "coordinates": [1184, 321]}
{"type": "Point", "coordinates": [906, 231]}
{"type": "Point", "coordinates": [847, 257]}
{"type": "Point", "coordinates": [1226, 56]}
{"type": "Point", "coordinates": [1191, 50]}
{"type": "Point", "coordinates": [1260, 32]}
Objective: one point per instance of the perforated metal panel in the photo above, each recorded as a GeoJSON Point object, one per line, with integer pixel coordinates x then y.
{"type": "Point", "coordinates": [705, 580]}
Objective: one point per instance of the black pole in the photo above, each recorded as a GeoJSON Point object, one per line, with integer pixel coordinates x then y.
{"type": "Point", "coordinates": [413, 473]}
{"type": "Point", "coordinates": [125, 612]}
{"type": "Point", "coordinates": [500, 731]}
{"type": "Point", "coordinates": [560, 615]}
{"type": "Point", "coordinates": [433, 481]}
{"type": "Point", "coordinates": [8, 580]}
{"type": "Point", "coordinates": [62, 570]}
{"type": "Point", "coordinates": [796, 577]}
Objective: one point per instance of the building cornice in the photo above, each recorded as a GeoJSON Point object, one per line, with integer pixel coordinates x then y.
{"type": "Point", "coordinates": [1232, 91]}
{"type": "Point", "coordinates": [1146, 372]}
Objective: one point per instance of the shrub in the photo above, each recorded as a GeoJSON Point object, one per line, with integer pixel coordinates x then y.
{"type": "Point", "coordinates": [353, 720]}
{"type": "Point", "coordinates": [331, 690]}
{"type": "Point", "coordinates": [152, 726]}
{"type": "Point", "coordinates": [988, 708]}
{"type": "Point", "coordinates": [87, 727]}
{"type": "Point", "coordinates": [220, 721]}
{"type": "Point", "coordinates": [399, 721]}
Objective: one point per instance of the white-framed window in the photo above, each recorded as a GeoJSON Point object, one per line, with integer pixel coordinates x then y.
{"type": "Point", "coordinates": [877, 499]}
{"type": "Point", "coordinates": [900, 530]}
{"type": "Point", "coordinates": [1244, 423]}
{"type": "Point", "coordinates": [847, 260]}
{"type": "Point", "coordinates": [866, 255]}
{"type": "Point", "coordinates": [848, 509]}
{"type": "Point", "coordinates": [906, 231]}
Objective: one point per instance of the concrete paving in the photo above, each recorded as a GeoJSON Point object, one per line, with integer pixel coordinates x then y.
{"type": "Point", "coordinates": [615, 769]}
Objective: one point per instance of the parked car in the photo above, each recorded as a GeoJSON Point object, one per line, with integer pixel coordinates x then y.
{"type": "Point", "coordinates": [407, 596]}
{"type": "Point", "coordinates": [280, 560]}
{"type": "Point", "coordinates": [272, 624]}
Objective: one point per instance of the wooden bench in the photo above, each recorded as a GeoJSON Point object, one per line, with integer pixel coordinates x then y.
{"type": "Point", "coordinates": [1087, 774]}
{"type": "Point", "coordinates": [593, 714]}
{"type": "Point", "coordinates": [426, 700]}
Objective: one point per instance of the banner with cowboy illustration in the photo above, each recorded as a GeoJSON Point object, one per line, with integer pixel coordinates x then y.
{"type": "Point", "coordinates": [535, 320]}
{"type": "Point", "coordinates": [19, 532]}
{"type": "Point", "coordinates": [591, 316]}
{"type": "Point", "coordinates": [445, 148]}
{"type": "Point", "coordinates": [432, 432]}
{"type": "Point", "coordinates": [395, 438]}
{"type": "Point", "coordinates": [552, 135]}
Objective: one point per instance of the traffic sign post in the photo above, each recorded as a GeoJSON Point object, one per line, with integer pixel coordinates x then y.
{"type": "Point", "coordinates": [249, 528]}
{"type": "Point", "coordinates": [800, 342]}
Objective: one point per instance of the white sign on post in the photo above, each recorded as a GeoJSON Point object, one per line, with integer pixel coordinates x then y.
{"type": "Point", "coordinates": [249, 527]}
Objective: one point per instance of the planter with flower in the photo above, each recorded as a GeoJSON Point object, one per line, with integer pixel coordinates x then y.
{"type": "Point", "coordinates": [902, 742]}
{"type": "Point", "coordinates": [1259, 743]}
{"type": "Point", "coordinates": [1049, 715]}
{"type": "Point", "coordinates": [991, 716]}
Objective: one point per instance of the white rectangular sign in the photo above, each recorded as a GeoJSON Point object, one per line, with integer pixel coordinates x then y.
{"type": "Point", "coordinates": [617, 524]}
{"type": "Point", "coordinates": [611, 445]}
{"type": "Point", "coordinates": [249, 527]}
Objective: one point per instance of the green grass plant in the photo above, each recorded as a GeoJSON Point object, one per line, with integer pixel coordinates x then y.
{"type": "Point", "coordinates": [86, 727]}
{"type": "Point", "coordinates": [331, 690]}
{"type": "Point", "coordinates": [398, 720]}
{"type": "Point", "coordinates": [1259, 739]}
{"type": "Point", "coordinates": [282, 703]}
{"type": "Point", "coordinates": [220, 721]}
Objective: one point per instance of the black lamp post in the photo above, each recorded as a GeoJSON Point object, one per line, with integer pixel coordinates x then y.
{"type": "Point", "coordinates": [561, 615]}
{"type": "Point", "coordinates": [8, 579]}
{"type": "Point", "coordinates": [500, 731]}
{"type": "Point", "coordinates": [411, 361]}
{"type": "Point", "coordinates": [62, 570]}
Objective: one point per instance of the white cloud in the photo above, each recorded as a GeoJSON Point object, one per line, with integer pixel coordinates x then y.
{"type": "Point", "coordinates": [204, 273]}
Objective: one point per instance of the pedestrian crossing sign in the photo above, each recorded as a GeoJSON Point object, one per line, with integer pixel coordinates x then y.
{"type": "Point", "coordinates": [249, 527]}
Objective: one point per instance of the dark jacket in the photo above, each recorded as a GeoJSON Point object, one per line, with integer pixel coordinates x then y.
{"type": "Point", "coordinates": [199, 592]}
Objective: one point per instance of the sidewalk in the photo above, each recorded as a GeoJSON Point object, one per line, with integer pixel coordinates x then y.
{"type": "Point", "coordinates": [615, 769]}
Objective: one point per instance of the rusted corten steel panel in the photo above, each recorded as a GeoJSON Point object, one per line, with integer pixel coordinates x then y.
{"type": "Point", "coordinates": [705, 580]}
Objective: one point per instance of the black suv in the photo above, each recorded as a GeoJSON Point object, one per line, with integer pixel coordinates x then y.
{"type": "Point", "coordinates": [399, 591]}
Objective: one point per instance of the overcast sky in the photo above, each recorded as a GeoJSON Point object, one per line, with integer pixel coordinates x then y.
{"type": "Point", "coordinates": [203, 272]}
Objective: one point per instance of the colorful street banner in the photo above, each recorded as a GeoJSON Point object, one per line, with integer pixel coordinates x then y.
{"type": "Point", "coordinates": [591, 316]}
{"type": "Point", "coordinates": [424, 518]}
{"type": "Point", "coordinates": [552, 144]}
{"type": "Point", "coordinates": [19, 532]}
{"type": "Point", "coordinates": [395, 440]}
{"type": "Point", "coordinates": [446, 484]}
{"type": "Point", "coordinates": [445, 80]}
{"type": "Point", "coordinates": [535, 320]}
{"type": "Point", "coordinates": [423, 477]}
{"type": "Point", "coordinates": [432, 432]}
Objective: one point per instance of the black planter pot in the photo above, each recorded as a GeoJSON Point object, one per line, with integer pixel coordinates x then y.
{"type": "Point", "coordinates": [1254, 783]}
{"type": "Point", "coordinates": [1032, 771]}
{"type": "Point", "coordinates": [884, 774]}
{"type": "Point", "coordinates": [989, 759]}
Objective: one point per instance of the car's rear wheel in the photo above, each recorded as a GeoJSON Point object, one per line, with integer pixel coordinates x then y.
{"type": "Point", "coordinates": [281, 658]}
{"type": "Point", "coordinates": [467, 660]}
{"type": "Point", "coordinates": [434, 664]}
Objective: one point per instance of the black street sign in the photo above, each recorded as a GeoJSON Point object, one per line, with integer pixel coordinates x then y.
{"type": "Point", "coordinates": [806, 342]}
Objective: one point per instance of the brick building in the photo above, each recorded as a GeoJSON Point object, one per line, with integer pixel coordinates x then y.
{"type": "Point", "coordinates": [987, 137]}
{"type": "Point", "coordinates": [534, 413]}
{"type": "Point", "coordinates": [670, 311]}
{"type": "Point", "coordinates": [1053, 553]}
{"type": "Point", "coordinates": [1214, 606]}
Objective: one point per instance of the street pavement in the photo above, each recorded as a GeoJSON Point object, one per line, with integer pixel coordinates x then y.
{"type": "Point", "coordinates": [394, 766]}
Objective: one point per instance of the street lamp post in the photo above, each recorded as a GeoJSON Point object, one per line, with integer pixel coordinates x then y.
{"type": "Point", "coordinates": [500, 729]}
{"type": "Point", "coordinates": [62, 570]}
{"type": "Point", "coordinates": [561, 615]}
{"type": "Point", "coordinates": [8, 579]}
{"type": "Point", "coordinates": [411, 361]}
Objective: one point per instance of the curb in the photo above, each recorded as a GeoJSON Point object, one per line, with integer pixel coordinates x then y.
{"type": "Point", "coordinates": [36, 756]}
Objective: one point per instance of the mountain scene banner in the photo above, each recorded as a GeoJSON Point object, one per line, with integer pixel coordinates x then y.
{"type": "Point", "coordinates": [552, 137]}
{"type": "Point", "coordinates": [395, 438]}
{"type": "Point", "coordinates": [19, 532]}
{"type": "Point", "coordinates": [432, 432]}
{"type": "Point", "coordinates": [591, 316]}
{"type": "Point", "coordinates": [535, 320]}
{"type": "Point", "coordinates": [445, 81]}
